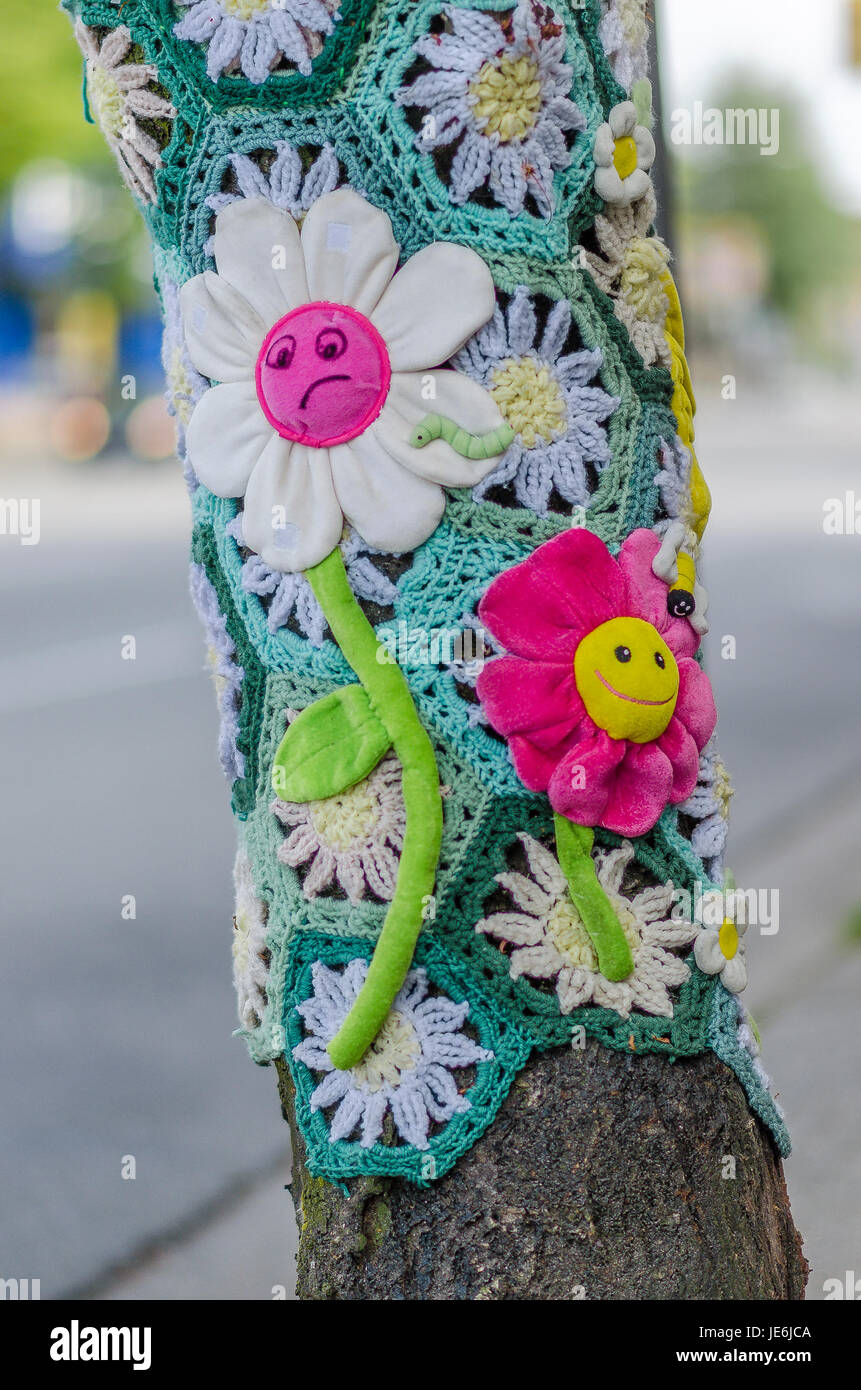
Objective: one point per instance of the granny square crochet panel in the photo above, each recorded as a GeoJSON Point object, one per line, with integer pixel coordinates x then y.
{"type": "Point", "coordinates": [427, 363]}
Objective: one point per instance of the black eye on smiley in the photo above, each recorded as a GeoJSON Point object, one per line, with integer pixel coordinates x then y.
{"type": "Point", "coordinates": [331, 343]}
{"type": "Point", "coordinates": [281, 352]}
{"type": "Point", "coordinates": [623, 654]}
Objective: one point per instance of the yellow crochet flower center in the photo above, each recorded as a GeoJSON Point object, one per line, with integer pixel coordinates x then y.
{"type": "Point", "coordinates": [245, 9]}
{"type": "Point", "coordinates": [530, 400]}
{"type": "Point", "coordinates": [106, 100]}
{"type": "Point", "coordinates": [341, 820]}
{"type": "Point", "coordinates": [506, 97]}
{"type": "Point", "coordinates": [640, 282]}
{"type": "Point", "coordinates": [728, 939]}
{"type": "Point", "coordinates": [571, 939]}
{"type": "Point", "coordinates": [625, 156]}
{"type": "Point", "coordinates": [395, 1050]}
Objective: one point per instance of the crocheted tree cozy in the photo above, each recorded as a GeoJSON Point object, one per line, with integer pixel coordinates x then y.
{"type": "Point", "coordinates": [427, 364]}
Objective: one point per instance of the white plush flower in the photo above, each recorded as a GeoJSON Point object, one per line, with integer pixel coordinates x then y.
{"type": "Point", "coordinates": [408, 1068]}
{"type": "Point", "coordinates": [328, 363]}
{"type": "Point", "coordinates": [255, 36]}
{"type": "Point", "coordinates": [719, 950]}
{"type": "Point", "coordinates": [551, 943]}
{"type": "Point", "coordinates": [353, 839]}
{"type": "Point", "coordinates": [121, 97]}
{"type": "Point", "coordinates": [624, 152]}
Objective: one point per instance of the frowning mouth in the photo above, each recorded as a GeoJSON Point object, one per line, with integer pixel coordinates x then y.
{"type": "Point", "coordinates": [340, 376]}
{"type": "Point", "coordinates": [632, 699]}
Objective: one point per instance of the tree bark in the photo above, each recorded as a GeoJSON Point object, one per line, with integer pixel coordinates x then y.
{"type": "Point", "coordinates": [604, 1176]}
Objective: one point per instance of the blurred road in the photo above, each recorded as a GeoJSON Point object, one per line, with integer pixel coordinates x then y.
{"type": "Point", "coordinates": [116, 1034]}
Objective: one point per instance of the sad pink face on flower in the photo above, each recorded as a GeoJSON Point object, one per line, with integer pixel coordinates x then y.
{"type": "Point", "coordinates": [600, 698]}
{"type": "Point", "coordinates": [323, 375]}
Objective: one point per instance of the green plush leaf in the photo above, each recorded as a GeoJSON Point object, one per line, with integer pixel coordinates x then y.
{"type": "Point", "coordinates": [330, 746]}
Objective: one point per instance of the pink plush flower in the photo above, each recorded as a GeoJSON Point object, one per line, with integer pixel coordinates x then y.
{"type": "Point", "coordinates": [600, 698]}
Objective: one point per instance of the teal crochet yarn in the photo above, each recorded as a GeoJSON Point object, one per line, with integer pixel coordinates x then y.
{"type": "Point", "coordinates": [441, 215]}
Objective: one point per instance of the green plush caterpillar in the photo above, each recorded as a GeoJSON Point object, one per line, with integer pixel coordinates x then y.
{"type": "Point", "coordinates": [469, 446]}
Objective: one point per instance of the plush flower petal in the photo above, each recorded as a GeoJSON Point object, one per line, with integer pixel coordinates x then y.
{"type": "Point", "coordinates": [581, 783]}
{"type": "Point", "coordinates": [292, 517]}
{"type": "Point", "coordinates": [257, 251]}
{"type": "Point", "coordinates": [707, 952]}
{"type": "Point", "coordinates": [391, 509]}
{"type": "Point", "coordinates": [437, 301]}
{"type": "Point", "coordinates": [543, 607]}
{"type": "Point", "coordinates": [734, 974]}
{"type": "Point", "coordinates": [623, 119]}
{"type": "Point", "coordinates": [684, 758]}
{"type": "Point", "coordinates": [350, 251]}
{"type": "Point", "coordinates": [646, 594]}
{"type": "Point", "coordinates": [639, 790]}
{"type": "Point", "coordinates": [227, 435]}
{"type": "Point", "coordinates": [519, 696]}
{"type": "Point", "coordinates": [695, 706]}
{"type": "Point", "coordinates": [457, 397]}
{"type": "Point", "coordinates": [223, 333]}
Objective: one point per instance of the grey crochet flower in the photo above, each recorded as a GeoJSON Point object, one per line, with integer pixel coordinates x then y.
{"type": "Point", "coordinates": [548, 399]}
{"type": "Point", "coordinates": [291, 595]}
{"type": "Point", "coordinates": [253, 36]}
{"type": "Point", "coordinates": [406, 1071]}
{"type": "Point", "coordinates": [289, 185]}
{"type": "Point", "coordinates": [502, 92]}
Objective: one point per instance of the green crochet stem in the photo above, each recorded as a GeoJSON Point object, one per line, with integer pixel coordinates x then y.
{"type": "Point", "coordinates": [574, 850]}
{"type": "Point", "coordinates": [389, 694]}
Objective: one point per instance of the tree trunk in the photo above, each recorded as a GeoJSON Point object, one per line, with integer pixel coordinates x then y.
{"type": "Point", "coordinates": [604, 1176]}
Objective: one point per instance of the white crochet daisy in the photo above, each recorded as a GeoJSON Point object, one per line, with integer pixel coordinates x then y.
{"type": "Point", "coordinates": [720, 950]}
{"type": "Point", "coordinates": [551, 943]}
{"type": "Point", "coordinates": [624, 152]}
{"type": "Point", "coordinates": [548, 397]}
{"type": "Point", "coordinates": [502, 92]}
{"type": "Point", "coordinates": [351, 840]}
{"type": "Point", "coordinates": [120, 97]}
{"type": "Point", "coordinates": [631, 267]}
{"type": "Point", "coordinates": [254, 36]}
{"type": "Point", "coordinates": [406, 1071]}
{"type": "Point", "coordinates": [326, 359]}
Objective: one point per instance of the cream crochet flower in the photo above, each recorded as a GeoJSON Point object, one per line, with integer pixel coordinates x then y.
{"type": "Point", "coordinates": [120, 97]}
{"type": "Point", "coordinates": [328, 362]}
{"type": "Point", "coordinates": [352, 840]}
{"type": "Point", "coordinates": [551, 943]}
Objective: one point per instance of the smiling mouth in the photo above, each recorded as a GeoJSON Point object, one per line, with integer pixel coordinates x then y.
{"type": "Point", "coordinates": [632, 699]}
{"type": "Point", "coordinates": [341, 376]}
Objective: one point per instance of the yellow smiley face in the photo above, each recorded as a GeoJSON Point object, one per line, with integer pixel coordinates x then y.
{"type": "Point", "coordinates": [628, 679]}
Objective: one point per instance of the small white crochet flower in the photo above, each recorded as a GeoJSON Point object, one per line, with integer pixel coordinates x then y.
{"type": "Point", "coordinates": [352, 840]}
{"type": "Point", "coordinates": [406, 1071]}
{"type": "Point", "coordinates": [227, 674]}
{"type": "Point", "coordinates": [720, 950]}
{"type": "Point", "coordinates": [254, 36]}
{"type": "Point", "coordinates": [547, 397]}
{"type": "Point", "coordinates": [120, 97]}
{"type": "Point", "coordinates": [503, 94]}
{"type": "Point", "coordinates": [250, 962]}
{"type": "Point", "coordinates": [624, 34]}
{"type": "Point", "coordinates": [551, 943]}
{"type": "Point", "coordinates": [624, 152]}
{"type": "Point", "coordinates": [328, 363]}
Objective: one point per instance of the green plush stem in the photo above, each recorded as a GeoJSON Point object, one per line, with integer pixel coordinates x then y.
{"type": "Point", "coordinates": [390, 698]}
{"type": "Point", "coordinates": [574, 848]}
